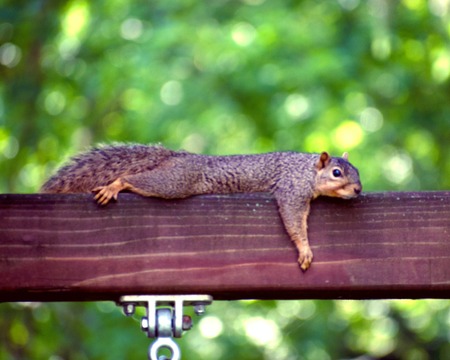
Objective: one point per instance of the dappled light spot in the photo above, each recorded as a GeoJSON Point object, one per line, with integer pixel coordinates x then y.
{"type": "Point", "coordinates": [243, 34]}
{"type": "Point", "coordinates": [415, 5]}
{"type": "Point", "coordinates": [302, 310]}
{"type": "Point", "coordinates": [76, 19]}
{"type": "Point", "coordinates": [439, 8]}
{"type": "Point", "coordinates": [371, 119]}
{"type": "Point", "coordinates": [441, 67]}
{"type": "Point", "coordinates": [261, 331]}
{"type": "Point", "coordinates": [210, 327]}
{"type": "Point", "coordinates": [381, 48]}
{"type": "Point", "coordinates": [375, 310]}
{"type": "Point", "coordinates": [55, 102]}
{"type": "Point", "coordinates": [348, 4]}
{"type": "Point", "coordinates": [10, 55]}
{"type": "Point", "coordinates": [30, 174]}
{"type": "Point", "coordinates": [379, 339]}
{"type": "Point", "coordinates": [9, 145]}
{"type": "Point", "coordinates": [398, 167]}
{"type": "Point", "coordinates": [297, 107]}
{"type": "Point", "coordinates": [131, 29]}
{"type": "Point", "coordinates": [69, 47]}
{"type": "Point", "coordinates": [348, 135]}
{"type": "Point", "coordinates": [171, 93]}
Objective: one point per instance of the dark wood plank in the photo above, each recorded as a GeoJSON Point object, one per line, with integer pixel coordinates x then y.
{"type": "Point", "coordinates": [65, 247]}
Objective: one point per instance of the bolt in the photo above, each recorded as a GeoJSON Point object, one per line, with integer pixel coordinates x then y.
{"type": "Point", "coordinates": [187, 322]}
{"type": "Point", "coordinates": [199, 309]}
{"type": "Point", "coordinates": [128, 309]}
{"type": "Point", "coordinates": [144, 324]}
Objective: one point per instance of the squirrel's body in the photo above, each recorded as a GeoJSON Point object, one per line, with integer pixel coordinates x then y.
{"type": "Point", "coordinates": [293, 178]}
{"type": "Point", "coordinates": [205, 175]}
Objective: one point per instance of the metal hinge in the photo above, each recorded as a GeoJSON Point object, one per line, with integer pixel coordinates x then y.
{"type": "Point", "coordinates": [164, 318]}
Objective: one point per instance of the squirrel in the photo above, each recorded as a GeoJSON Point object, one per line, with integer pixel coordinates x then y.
{"type": "Point", "coordinates": [293, 178]}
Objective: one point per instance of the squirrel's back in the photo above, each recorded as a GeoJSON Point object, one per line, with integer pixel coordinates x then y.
{"type": "Point", "coordinates": [157, 171]}
{"type": "Point", "coordinates": [104, 164]}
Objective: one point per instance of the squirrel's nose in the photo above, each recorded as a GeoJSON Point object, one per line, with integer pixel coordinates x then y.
{"type": "Point", "coordinates": [358, 190]}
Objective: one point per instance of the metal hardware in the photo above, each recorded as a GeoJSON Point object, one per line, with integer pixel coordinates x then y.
{"type": "Point", "coordinates": [164, 318]}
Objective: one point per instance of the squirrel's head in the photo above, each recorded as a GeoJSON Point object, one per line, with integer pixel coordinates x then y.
{"type": "Point", "coordinates": [336, 177]}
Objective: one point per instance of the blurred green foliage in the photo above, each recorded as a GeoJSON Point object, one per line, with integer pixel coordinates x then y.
{"type": "Point", "coordinates": [222, 77]}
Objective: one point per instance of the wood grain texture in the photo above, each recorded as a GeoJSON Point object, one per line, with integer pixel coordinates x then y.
{"type": "Point", "coordinates": [65, 247]}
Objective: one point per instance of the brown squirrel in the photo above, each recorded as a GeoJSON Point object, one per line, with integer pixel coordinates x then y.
{"type": "Point", "coordinates": [293, 178]}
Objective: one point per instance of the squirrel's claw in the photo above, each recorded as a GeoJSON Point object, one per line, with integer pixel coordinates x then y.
{"type": "Point", "coordinates": [104, 194]}
{"type": "Point", "coordinates": [108, 192]}
{"type": "Point", "coordinates": [305, 258]}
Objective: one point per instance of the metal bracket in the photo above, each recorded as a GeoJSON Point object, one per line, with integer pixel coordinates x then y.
{"type": "Point", "coordinates": [164, 318]}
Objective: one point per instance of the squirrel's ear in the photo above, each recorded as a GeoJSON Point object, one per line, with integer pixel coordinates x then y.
{"type": "Point", "coordinates": [324, 160]}
{"type": "Point", "coordinates": [345, 156]}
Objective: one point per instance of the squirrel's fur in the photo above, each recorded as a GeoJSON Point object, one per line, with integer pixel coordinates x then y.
{"type": "Point", "coordinates": [293, 178]}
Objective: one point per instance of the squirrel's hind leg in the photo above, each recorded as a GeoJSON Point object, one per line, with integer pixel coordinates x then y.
{"type": "Point", "coordinates": [111, 191]}
{"type": "Point", "coordinates": [167, 183]}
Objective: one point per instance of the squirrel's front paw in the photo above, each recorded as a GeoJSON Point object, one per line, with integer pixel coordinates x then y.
{"type": "Point", "coordinates": [105, 193]}
{"type": "Point", "coordinates": [305, 258]}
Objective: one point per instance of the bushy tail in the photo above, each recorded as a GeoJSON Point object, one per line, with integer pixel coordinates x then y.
{"type": "Point", "coordinates": [101, 166]}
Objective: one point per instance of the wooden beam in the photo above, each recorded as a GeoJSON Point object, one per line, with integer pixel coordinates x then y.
{"type": "Point", "coordinates": [65, 247]}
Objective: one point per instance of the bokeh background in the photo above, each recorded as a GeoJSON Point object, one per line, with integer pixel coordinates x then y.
{"type": "Point", "coordinates": [225, 77]}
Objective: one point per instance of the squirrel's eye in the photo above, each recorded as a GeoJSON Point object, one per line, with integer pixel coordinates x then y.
{"type": "Point", "coordinates": [337, 173]}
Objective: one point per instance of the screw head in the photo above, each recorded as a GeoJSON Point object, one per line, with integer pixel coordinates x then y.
{"type": "Point", "coordinates": [187, 322]}
{"type": "Point", "coordinates": [128, 309]}
{"type": "Point", "coordinates": [199, 309]}
{"type": "Point", "coordinates": [144, 324]}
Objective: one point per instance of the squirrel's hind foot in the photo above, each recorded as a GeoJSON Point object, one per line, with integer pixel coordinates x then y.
{"type": "Point", "coordinates": [104, 195]}
{"type": "Point", "coordinates": [108, 192]}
